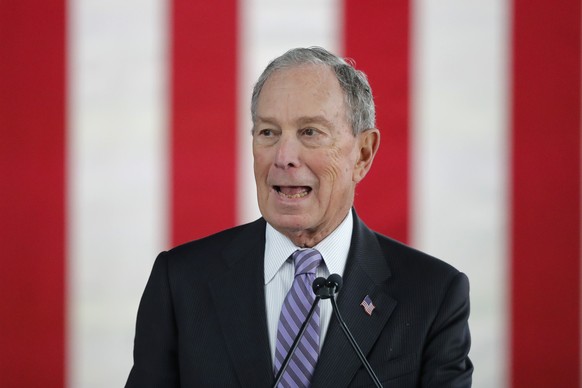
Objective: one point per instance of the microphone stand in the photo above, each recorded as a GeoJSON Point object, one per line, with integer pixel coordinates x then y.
{"type": "Point", "coordinates": [354, 344]}
{"type": "Point", "coordinates": [296, 342]}
{"type": "Point", "coordinates": [326, 290]}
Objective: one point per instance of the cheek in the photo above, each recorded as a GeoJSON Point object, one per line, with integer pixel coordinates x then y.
{"type": "Point", "coordinates": [260, 164]}
{"type": "Point", "coordinates": [339, 165]}
{"type": "Point", "coordinates": [332, 167]}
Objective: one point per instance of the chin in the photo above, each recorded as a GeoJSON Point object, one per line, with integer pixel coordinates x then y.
{"type": "Point", "coordinates": [288, 222]}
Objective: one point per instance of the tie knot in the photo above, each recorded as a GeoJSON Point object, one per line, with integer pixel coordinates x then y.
{"type": "Point", "coordinates": [306, 261]}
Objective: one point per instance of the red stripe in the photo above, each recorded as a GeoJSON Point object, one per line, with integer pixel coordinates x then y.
{"type": "Point", "coordinates": [377, 37]}
{"type": "Point", "coordinates": [545, 300]}
{"type": "Point", "coordinates": [203, 117]}
{"type": "Point", "coordinates": [32, 193]}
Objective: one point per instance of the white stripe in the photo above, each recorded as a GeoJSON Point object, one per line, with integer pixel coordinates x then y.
{"type": "Point", "coordinates": [459, 150]}
{"type": "Point", "coordinates": [268, 29]}
{"type": "Point", "coordinates": [117, 174]}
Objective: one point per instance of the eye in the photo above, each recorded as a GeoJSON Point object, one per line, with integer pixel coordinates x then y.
{"type": "Point", "coordinates": [313, 136]}
{"type": "Point", "coordinates": [309, 132]}
{"type": "Point", "coordinates": [266, 136]}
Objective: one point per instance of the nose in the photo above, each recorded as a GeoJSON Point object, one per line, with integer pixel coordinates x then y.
{"type": "Point", "coordinates": [288, 150]}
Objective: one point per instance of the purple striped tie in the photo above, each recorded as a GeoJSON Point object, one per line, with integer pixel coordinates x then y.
{"type": "Point", "coordinates": [295, 309]}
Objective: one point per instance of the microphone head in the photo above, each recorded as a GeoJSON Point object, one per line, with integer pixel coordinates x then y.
{"type": "Point", "coordinates": [318, 284]}
{"type": "Point", "coordinates": [334, 281]}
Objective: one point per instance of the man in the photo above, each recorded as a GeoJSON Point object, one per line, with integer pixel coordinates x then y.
{"type": "Point", "coordinates": [216, 312]}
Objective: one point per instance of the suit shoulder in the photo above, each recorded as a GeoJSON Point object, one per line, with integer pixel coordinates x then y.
{"type": "Point", "coordinates": [426, 282]}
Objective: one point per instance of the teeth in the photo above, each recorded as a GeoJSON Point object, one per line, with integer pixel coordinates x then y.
{"type": "Point", "coordinates": [293, 196]}
{"type": "Point", "coordinates": [295, 193]}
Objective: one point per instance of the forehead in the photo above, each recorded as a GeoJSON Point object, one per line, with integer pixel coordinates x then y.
{"type": "Point", "coordinates": [302, 90]}
{"type": "Point", "coordinates": [314, 76]}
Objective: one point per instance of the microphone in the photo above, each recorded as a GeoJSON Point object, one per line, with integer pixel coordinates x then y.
{"type": "Point", "coordinates": [335, 282]}
{"type": "Point", "coordinates": [326, 288]}
{"type": "Point", "coordinates": [318, 285]}
{"type": "Point", "coordinates": [333, 285]}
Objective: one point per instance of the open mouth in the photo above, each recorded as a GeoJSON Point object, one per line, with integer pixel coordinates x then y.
{"type": "Point", "coordinates": [292, 192]}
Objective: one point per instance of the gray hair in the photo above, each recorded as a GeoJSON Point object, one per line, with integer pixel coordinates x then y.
{"type": "Point", "coordinates": [354, 83]}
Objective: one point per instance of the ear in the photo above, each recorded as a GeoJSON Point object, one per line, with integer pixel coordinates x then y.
{"type": "Point", "coordinates": [368, 144]}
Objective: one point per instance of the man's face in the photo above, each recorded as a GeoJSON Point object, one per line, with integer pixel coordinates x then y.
{"type": "Point", "coordinates": [306, 158]}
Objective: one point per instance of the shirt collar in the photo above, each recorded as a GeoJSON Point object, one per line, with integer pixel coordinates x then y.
{"type": "Point", "coordinates": [334, 248]}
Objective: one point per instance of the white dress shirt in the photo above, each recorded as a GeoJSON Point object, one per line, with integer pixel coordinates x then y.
{"type": "Point", "coordinates": [279, 272]}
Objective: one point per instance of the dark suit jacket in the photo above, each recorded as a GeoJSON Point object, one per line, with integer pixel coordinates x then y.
{"type": "Point", "coordinates": [202, 320]}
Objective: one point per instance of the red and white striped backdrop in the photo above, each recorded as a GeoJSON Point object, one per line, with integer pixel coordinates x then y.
{"type": "Point", "coordinates": [124, 130]}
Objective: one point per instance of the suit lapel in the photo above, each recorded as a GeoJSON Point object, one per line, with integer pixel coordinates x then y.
{"type": "Point", "coordinates": [366, 274]}
{"type": "Point", "coordinates": [238, 294]}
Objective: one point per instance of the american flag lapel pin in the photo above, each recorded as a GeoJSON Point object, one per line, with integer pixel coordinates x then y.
{"type": "Point", "coordinates": [368, 305]}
